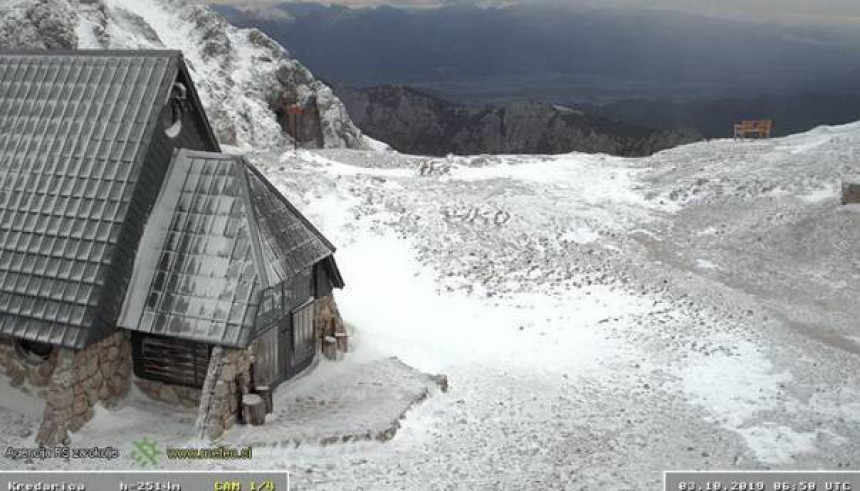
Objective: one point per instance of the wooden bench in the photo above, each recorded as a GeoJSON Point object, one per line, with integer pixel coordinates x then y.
{"type": "Point", "coordinates": [850, 192]}
{"type": "Point", "coordinates": [758, 128]}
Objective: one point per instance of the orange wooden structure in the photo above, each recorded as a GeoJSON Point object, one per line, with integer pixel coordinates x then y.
{"type": "Point", "coordinates": [757, 128]}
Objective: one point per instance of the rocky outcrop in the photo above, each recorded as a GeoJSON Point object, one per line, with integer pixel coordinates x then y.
{"type": "Point", "coordinates": [415, 122]}
{"type": "Point", "coordinates": [244, 78]}
{"type": "Point", "coordinates": [41, 24]}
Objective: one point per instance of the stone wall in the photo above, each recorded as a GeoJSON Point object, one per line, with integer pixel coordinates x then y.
{"type": "Point", "coordinates": [330, 328]}
{"type": "Point", "coordinates": [228, 379]}
{"type": "Point", "coordinates": [79, 380]}
{"type": "Point", "coordinates": [75, 380]}
{"type": "Point", "coordinates": [20, 370]}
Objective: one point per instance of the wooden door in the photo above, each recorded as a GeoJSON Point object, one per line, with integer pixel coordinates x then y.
{"type": "Point", "coordinates": [268, 369]}
{"type": "Point", "coordinates": [285, 347]}
{"type": "Point", "coordinates": [299, 345]}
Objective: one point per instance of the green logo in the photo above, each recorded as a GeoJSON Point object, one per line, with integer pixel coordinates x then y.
{"type": "Point", "coordinates": [145, 452]}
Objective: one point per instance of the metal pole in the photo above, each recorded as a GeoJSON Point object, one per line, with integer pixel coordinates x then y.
{"type": "Point", "coordinates": [294, 111]}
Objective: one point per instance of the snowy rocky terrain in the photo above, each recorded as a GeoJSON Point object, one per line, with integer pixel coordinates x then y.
{"type": "Point", "coordinates": [602, 319]}
{"type": "Point", "coordinates": [243, 77]}
{"type": "Point", "coordinates": [599, 319]}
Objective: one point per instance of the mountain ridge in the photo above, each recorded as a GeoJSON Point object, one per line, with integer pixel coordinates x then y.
{"type": "Point", "coordinates": [415, 121]}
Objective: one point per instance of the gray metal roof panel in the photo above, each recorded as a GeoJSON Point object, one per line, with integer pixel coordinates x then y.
{"type": "Point", "coordinates": [195, 276]}
{"type": "Point", "coordinates": [198, 273]}
{"type": "Point", "coordinates": [290, 242]}
{"type": "Point", "coordinates": [73, 130]}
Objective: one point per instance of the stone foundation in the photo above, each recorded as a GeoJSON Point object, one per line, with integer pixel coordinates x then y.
{"type": "Point", "coordinates": [229, 377]}
{"type": "Point", "coordinates": [79, 380]}
{"type": "Point", "coordinates": [20, 371]}
{"type": "Point", "coordinates": [75, 380]}
{"type": "Point", "coordinates": [330, 328]}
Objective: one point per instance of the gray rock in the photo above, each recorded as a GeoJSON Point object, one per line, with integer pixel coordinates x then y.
{"type": "Point", "coordinates": [42, 24]}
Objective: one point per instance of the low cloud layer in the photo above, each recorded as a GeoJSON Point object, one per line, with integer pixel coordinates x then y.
{"type": "Point", "coordinates": [786, 11]}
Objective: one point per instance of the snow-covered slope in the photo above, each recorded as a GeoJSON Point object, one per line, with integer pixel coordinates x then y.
{"type": "Point", "coordinates": [241, 74]}
{"type": "Point", "coordinates": [599, 319]}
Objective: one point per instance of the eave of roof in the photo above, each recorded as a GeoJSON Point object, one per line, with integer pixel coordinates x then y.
{"type": "Point", "coordinates": [290, 206]}
{"type": "Point", "coordinates": [92, 52]}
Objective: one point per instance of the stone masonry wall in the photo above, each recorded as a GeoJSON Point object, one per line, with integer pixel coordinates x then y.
{"type": "Point", "coordinates": [20, 371]}
{"type": "Point", "coordinates": [330, 328]}
{"type": "Point", "coordinates": [75, 381]}
{"type": "Point", "coordinates": [80, 379]}
{"type": "Point", "coordinates": [227, 381]}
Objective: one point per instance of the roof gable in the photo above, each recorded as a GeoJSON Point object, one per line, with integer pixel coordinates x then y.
{"type": "Point", "coordinates": [290, 243]}
{"type": "Point", "coordinates": [74, 131]}
{"type": "Point", "coordinates": [218, 236]}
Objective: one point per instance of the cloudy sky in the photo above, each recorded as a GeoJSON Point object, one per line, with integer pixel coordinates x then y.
{"type": "Point", "coordinates": [792, 11]}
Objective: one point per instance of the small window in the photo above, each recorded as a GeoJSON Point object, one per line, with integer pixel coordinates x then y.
{"type": "Point", "coordinates": [172, 118]}
{"type": "Point", "coordinates": [33, 352]}
{"type": "Point", "coordinates": [173, 111]}
{"type": "Point", "coordinates": [152, 301]}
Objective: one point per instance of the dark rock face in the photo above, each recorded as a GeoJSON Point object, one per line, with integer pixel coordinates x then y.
{"type": "Point", "coordinates": [415, 122]}
{"type": "Point", "coordinates": [303, 127]}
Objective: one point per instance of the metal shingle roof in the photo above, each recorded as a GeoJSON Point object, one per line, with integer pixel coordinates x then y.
{"type": "Point", "coordinates": [290, 243]}
{"type": "Point", "coordinates": [74, 128]}
{"type": "Point", "coordinates": [218, 235]}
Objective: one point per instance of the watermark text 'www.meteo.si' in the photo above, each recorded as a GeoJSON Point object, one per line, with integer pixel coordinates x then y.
{"type": "Point", "coordinates": [216, 453]}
